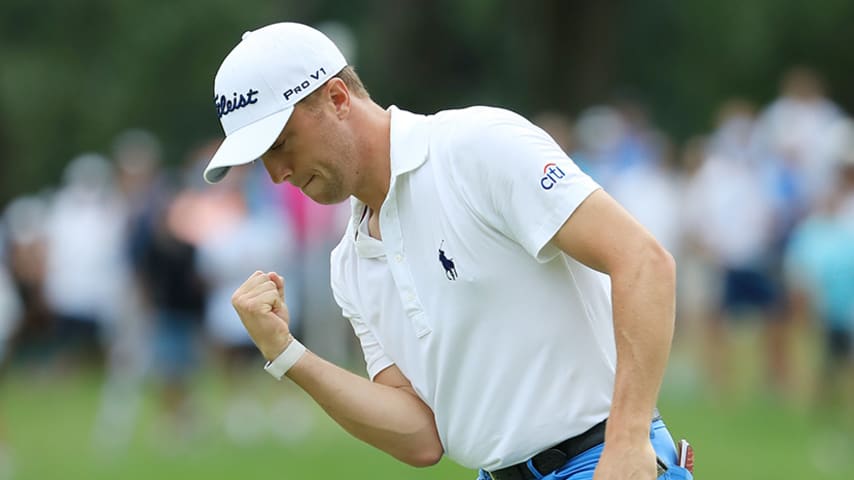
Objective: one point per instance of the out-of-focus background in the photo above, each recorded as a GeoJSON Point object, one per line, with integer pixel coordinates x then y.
{"type": "Point", "coordinates": [723, 126]}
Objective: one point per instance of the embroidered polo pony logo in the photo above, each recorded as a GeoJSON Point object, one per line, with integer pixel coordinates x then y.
{"type": "Point", "coordinates": [447, 264]}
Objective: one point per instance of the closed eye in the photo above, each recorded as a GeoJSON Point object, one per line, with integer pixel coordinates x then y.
{"type": "Point", "coordinates": [277, 145]}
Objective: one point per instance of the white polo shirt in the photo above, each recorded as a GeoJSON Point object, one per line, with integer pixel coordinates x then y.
{"type": "Point", "coordinates": [507, 339]}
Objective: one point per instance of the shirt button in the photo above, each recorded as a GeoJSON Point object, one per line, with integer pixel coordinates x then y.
{"type": "Point", "coordinates": [410, 296]}
{"type": "Point", "coordinates": [398, 258]}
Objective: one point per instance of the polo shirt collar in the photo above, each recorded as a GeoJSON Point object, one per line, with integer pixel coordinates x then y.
{"type": "Point", "coordinates": [408, 149]}
{"type": "Point", "coordinates": [408, 141]}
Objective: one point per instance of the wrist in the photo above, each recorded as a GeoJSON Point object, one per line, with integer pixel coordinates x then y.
{"type": "Point", "coordinates": [280, 365]}
{"type": "Point", "coordinates": [278, 346]}
{"type": "Point", "coordinates": [627, 429]}
{"type": "Point", "coordinates": [624, 439]}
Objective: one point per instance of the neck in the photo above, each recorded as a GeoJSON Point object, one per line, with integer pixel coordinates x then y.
{"type": "Point", "coordinates": [375, 150]}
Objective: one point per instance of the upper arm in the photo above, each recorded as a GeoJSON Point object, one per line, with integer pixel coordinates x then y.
{"type": "Point", "coordinates": [604, 236]}
{"type": "Point", "coordinates": [392, 377]}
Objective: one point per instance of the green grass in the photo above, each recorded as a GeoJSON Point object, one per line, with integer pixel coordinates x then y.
{"type": "Point", "coordinates": [49, 420]}
{"type": "Point", "coordinates": [49, 426]}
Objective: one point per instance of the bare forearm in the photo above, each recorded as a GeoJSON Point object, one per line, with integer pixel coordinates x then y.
{"type": "Point", "coordinates": [392, 419]}
{"type": "Point", "coordinates": [387, 413]}
{"type": "Point", "coordinates": [644, 313]}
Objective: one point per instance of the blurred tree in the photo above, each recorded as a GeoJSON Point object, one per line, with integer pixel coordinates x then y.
{"type": "Point", "coordinates": [688, 56]}
{"type": "Point", "coordinates": [74, 74]}
{"type": "Point", "coordinates": [77, 73]}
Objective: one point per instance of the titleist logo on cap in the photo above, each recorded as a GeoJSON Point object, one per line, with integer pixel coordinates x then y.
{"type": "Point", "coordinates": [225, 106]}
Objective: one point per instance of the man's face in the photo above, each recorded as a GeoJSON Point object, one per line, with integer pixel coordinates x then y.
{"type": "Point", "coordinates": [315, 153]}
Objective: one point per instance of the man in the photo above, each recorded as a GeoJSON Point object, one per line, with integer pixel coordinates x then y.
{"type": "Point", "coordinates": [469, 271]}
{"type": "Point", "coordinates": [819, 273]}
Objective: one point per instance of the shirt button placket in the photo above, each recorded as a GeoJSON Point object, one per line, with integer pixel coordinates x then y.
{"type": "Point", "coordinates": [393, 240]}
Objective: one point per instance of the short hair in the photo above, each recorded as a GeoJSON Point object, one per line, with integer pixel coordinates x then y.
{"type": "Point", "coordinates": [350, 78]}
{"type": "Point", "coordinates": [354, 83]}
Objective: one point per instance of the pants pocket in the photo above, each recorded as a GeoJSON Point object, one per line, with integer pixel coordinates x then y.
{"type": "Point", "coordinates": [676, 472]}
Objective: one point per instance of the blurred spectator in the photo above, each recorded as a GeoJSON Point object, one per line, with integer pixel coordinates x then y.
{"type": "Point", "coordinates": [10, 314]}
{"type": "Point", "coordinates": [695, 280]}
{"type": "Point", "coordinates": [83, 280]}
{"type": "Point", "coordinates": [730, 219]}
{"type": "Point", "coordinates": [24, 218]}
{"type": "Point", "coordinates": [844, 134]}
{"type": "Point", "coordinates": [166, 263]}
{"type": "Point", "coordinates": [642, 142]}
{"type": "Point", "coordinates": [10, 305]}
{"type": "Point", "coordinates": [651, 191]}
{"type": "Point", "coordinates": [599, 130]}
{"type": "Point", "coordinates": [791, 139]}
{"type": "Point", "coordinates": [137, 155]}
{"type": "Point", "coordinates": [611, 140]}
{"type": "Point", "coordinates": [820, 274]}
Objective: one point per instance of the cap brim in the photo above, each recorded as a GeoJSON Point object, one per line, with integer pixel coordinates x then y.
{"type": "Point", "coordinates": [246, 144]}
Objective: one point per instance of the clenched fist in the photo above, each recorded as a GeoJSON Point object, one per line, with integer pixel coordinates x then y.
{"type": "Point", "coordinates": [260, 303]}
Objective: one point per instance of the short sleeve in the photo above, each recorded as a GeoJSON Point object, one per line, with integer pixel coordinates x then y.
{"type": "Point", "coordinates": [375, 358]}
{"type": "Point", "coordinates": [517, 178]}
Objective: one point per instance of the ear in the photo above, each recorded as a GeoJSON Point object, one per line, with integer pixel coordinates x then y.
{"type": "Point", "coordinates": [340, 96]}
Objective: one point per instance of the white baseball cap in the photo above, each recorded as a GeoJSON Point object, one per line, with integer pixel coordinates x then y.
{"type": "Point", "coordinates": [258, 84]}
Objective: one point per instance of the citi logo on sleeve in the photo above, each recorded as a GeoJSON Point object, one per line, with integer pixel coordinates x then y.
{"type": "Point", "coordinates": [551, 174]}
{"type": "Point", "coordinates": [225, 106]}
{"type": "Point", "coordinates": [447, 264]}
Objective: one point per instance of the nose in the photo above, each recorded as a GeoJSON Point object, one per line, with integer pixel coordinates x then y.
{"type": "Point", "coordinates": [277, 168]}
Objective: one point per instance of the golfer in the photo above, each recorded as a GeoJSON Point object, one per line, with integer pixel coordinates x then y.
{"type": "Point", "coordinates": [512, 315]}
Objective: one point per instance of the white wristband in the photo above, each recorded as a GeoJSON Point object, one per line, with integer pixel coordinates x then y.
{"type": "Point", "coordinates": [281, 364]}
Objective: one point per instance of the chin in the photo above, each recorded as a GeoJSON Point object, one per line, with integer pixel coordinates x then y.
{"type": "Point", "coordinates": [326, 198]}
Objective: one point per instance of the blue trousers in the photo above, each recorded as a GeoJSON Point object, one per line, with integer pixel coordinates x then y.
{"type": "Point", "coordinates": [581, 466]}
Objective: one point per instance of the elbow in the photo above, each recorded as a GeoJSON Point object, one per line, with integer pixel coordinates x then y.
{"type": "Point", "coordinates": [662, 269]}
{"type": "Point", "coordinates": [663, 262]}
{"type": "Point", "coordinates": [653, 265]}
{"type": "Point", "coordinates": [426, 459]}
{"type": "Point", "coordinates": [425, 454]}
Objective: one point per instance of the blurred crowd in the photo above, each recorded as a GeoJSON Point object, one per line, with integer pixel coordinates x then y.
{"type": "Point", "coordinates": [129, 266]}
{"type": "Point", "coordinates": [759, 214]}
